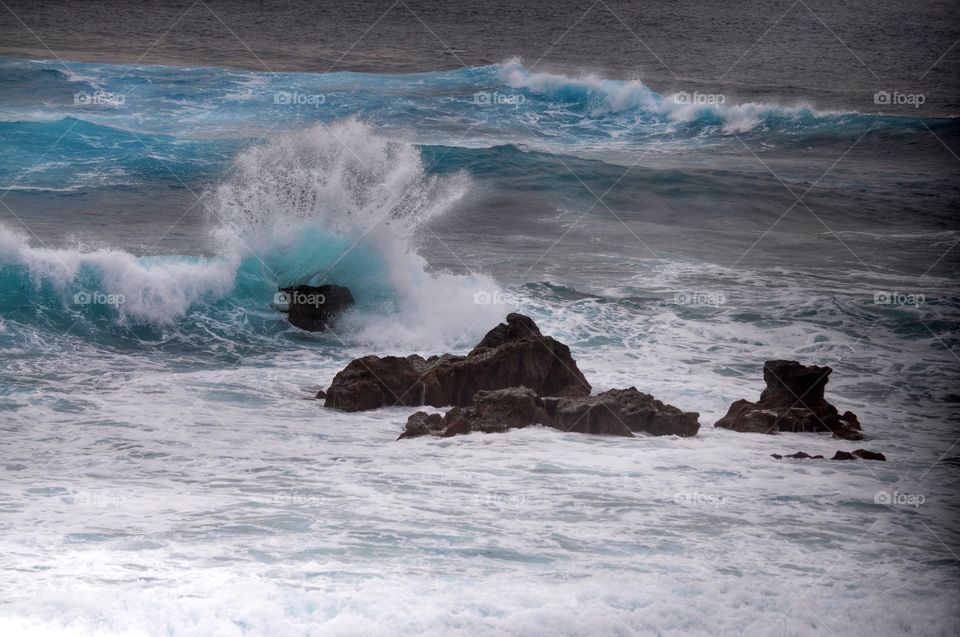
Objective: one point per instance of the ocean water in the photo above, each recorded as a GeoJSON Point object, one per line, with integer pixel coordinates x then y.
{"type": "Point", "coordinates": [166, 471]}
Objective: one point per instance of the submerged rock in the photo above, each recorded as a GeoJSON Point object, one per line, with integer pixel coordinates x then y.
{"type": "Point", "coordinates": [840, 455]}
{"type": "Point", "coordinates": [799, 455]}
{"type": "Point", "coordinates": [859, 453]}
{"type": "Point", "coordinates": [617, 412]}
{"type": "Point", "coordinates": [513, 354]}
{"type": "Point", "coordinates": [793, 400]}
{"type": "Point", "coordinates": [315, 308]}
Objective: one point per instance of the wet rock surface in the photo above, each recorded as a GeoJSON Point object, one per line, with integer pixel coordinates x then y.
{"type": "Point", "coordinates": [862, 454]}
{"type": "Point", "coordinates": [617, 412]}
{"type": "Point", "coordinates": [315, 308]}
{"type": "Point", "coordinates": [793, 400]}
{"type": "Point", "coordinates": [513, 354]}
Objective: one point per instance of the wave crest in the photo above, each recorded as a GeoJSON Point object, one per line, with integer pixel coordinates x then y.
{"type": "Point", "coordinates": [334, 203]}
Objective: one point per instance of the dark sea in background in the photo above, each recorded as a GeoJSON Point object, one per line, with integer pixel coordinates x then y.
{"type": "Point", "coordinates": [679, 191]}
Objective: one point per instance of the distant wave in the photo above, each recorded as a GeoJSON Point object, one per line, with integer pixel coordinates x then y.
{"type": "Point", "coordinates": [500, 104]}
{"type": "Point", "coordinates": [599, 97]}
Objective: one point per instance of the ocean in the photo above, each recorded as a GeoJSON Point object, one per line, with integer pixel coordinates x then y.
{"type": "Point", "coordinates": [166, 469]}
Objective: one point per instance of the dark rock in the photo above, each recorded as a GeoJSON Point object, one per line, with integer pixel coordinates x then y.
{"type": "Point", "coordinates": [840, 455]}
{"type": "Point", "coordinates": [789, 382]}
{"type": "Point", "coordinates": [493, 411]}
{"type": "Point", "coordinates": [869, 455]}
{"type": "Point", "coordinates": [511, 408]}
{"type": "Point", "coordinates": [514, 354]}
{"type": "Point", "coordinates": [516, 328]}
{"type": "Point", "coordinates": [793, 400]}
{"type": "Point", "coordinates": [321, 395]}
{"type": "Point", "coordinates": [799, 456]}
{"type": "Point", "coordinates": [617, 412]}
{"type": "Point", "coordinates": [423, 424]}
{"type": "Point", "coordinates": [859, 453]}
{"type": "Point", "coordinates": [456, 422]}
{"type": "Point", "coordinates": [621, 412]}
{"type": "Point", "coordinates": [373, 381]}
{"type": "Point", "coordinates": [315, 308]}
{"type": "Point", "coordinates": [498, 410]}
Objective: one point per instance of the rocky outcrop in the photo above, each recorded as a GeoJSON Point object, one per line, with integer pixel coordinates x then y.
{"type": "Point", "coordinates": [517, 327]}
{"type": "Point", "coordinates": [617, 412]}
{"type": "Point", "coordinates": [840, 455]}
{"type": "Point", "coordinates": [314, 308]}
{"type": "Point", "coordinates": [793, 400]}
{"type": "Point", "coordinates": [513, 354]}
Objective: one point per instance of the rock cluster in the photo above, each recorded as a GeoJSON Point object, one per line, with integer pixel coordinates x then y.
{"type": "Point", "coordinates": [515, 377]}
{"type": "Point", "coordinates": [840, 455]}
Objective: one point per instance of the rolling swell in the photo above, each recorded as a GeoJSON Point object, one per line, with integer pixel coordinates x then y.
{"type": "Point", "coordinates": [504, 103]}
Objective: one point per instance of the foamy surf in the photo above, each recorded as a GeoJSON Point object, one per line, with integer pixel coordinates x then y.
{"type": "Point", "coordinates": [334, 203]}
{"type": "Point", "coordinates": [167, 470]}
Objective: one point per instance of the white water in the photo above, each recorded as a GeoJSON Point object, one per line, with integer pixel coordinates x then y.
{"type": "Point", "coordinates": [334, 203]}
{"type": "Point", "coordinates": [157, 491]}
{"type": "Point", "coordinates": [224, 502]}
{"type": "Point", "coordinates": [199, 516]}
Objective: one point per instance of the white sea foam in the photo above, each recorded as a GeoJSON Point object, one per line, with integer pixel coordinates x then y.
{"type": "Point", "coordinates": [218, 521]}
{"type": "Point", "coordinates": [346, 185]}
{"type": "Point", "coordinates": [617, 96]}
{"type": "Point", "coordinates": [334, 203]}
{"type": "Point", "coordinates": [151, 289]}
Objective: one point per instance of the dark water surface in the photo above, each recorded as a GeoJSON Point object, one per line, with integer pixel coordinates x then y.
{"type": "Point", "coordinates": [833, 54]}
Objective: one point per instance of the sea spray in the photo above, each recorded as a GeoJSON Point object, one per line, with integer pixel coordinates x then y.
{"type": "Point", "coordinates": [333, 203]}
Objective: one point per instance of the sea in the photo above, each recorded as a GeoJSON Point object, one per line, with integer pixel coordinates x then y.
{"type": "Point", "coordinates": [678, 191]}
